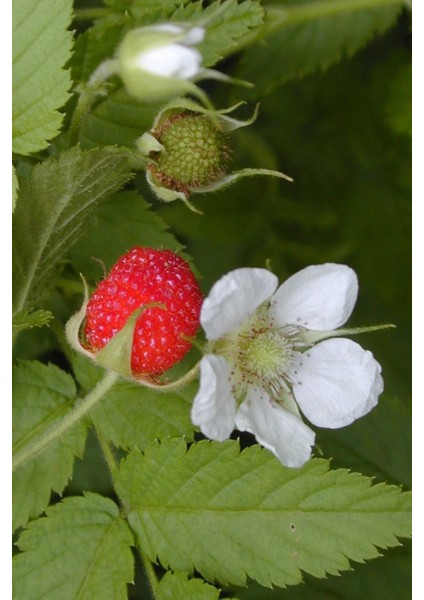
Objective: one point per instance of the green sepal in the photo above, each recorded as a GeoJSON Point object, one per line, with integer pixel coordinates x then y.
{"type": "Point", "coordinates": [73, 325]}
{"type": "Point", "coordinates": [227, 180]}
{"type": "Point", "coordinates": [116, 355]}
{"type": "Point", "coordinates": [312, 337]}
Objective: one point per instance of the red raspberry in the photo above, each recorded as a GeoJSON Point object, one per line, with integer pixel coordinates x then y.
{"type": "Point", "coordinates": [142, 276]}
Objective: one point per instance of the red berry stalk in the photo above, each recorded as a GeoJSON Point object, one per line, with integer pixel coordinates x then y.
{"type": "Point", "coordinates": [144, 276]}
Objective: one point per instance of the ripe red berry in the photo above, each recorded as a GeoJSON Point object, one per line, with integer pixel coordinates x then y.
{"type": "Point", "coordinates": [140, 277]}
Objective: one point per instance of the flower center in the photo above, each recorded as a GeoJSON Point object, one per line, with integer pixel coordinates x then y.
{"type": "Point", "coordinates": [262, 355]}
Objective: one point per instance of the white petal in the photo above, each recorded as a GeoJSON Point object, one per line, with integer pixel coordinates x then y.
{"type": "Point", "coordinates": [173, 60]}
{"type": "Point", "coordinates": [214, 406]}
{"type": "Point", "coordinates": [235, 297]}
{"type": "Point", "coordinates": [276, 429]}
{"type": "Point", "coordinates": [318, 297]}
{"type": "Point", "coordinates": [338, 382]}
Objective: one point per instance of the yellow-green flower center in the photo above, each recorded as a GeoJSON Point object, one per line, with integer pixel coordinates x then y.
{"type": "Point", "coordinates": [263, 355]}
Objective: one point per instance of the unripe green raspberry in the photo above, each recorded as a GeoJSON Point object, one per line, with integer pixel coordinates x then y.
{"type": "Point", "coordinates": [187, 151]}
{"type": "Point", "coordinates": [195, 153]}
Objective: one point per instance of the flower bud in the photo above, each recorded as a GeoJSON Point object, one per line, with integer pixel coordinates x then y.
{"type": "Point", "coordinates": [158, 62]}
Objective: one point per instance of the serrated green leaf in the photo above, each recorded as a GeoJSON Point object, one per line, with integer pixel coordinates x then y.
{"type": "Point", "coordinates": [42, 394]}
{"type": "Point", "coordinates": [233, 21]}
{"type": "Point", "coordinates": [389, 577]}
{"type": "Point", "coordinates": [305, 35]}
{"type": "Point", "coordinates": [147, 10]}
{"type": "Point", "coordinates": [123, 221]}
{"type": "Point", "coordinates": [27, 318]}
{"type": "Point", "coordinates": [52, 210]}
{"type": "Point", "coordinates": [231, 516]}
{"type": "Point", "coordinates": [80, 550]}
{"type": "Point", "coordinates": [178, 585]}
{"type": "Point", "coordinates": [132, 416]}
{"type": "Point", "coordinates": [41, 47]}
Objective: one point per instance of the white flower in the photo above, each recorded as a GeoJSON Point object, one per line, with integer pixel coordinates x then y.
{"type": "Point", "coordinates": [270, 353]}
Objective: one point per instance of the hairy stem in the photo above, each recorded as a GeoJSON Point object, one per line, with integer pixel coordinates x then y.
{"type": "Point", "coordinates": [35, 447]}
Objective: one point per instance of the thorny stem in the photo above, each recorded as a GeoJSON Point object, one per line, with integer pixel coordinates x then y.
{"type": "Point", "coordinates": [41, 443]}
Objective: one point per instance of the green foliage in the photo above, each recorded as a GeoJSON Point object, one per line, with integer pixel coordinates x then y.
{"type": "Point", "coordinates": [227, 23]}
{"type": "Point", "coordinates": [177, 585]}
{"type": "Point", "coordinates": [41, 47]}
{"type": "Point", "coordinates": [51, 211]}
{"type": "Point", "coordinates": [269, 523]}
{"type": "Point", "coordinates": [80, 550]}
{"type": "Point", "coordinates": [305, 35]}
{"type": "Point", "coordinates": [126, 218]}
{"type": "Point", "coordinates": [132, 416]}
{"type": "Point", "coordinates": [333, 78]}
{"type": "Point", "coordinates": [28, 318]}
{"type": "Point", "coordinates": [42, 394]}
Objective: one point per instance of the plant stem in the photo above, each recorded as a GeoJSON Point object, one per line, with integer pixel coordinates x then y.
{"type": "Point", "coordinates": [82, 108]}
{"type": "Point", "coordinates": [76, 414]}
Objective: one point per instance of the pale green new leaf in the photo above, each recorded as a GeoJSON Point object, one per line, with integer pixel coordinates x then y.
{"type": "Point", "coordinates": [178, 585]}
{"type": "Point", "coordinates": [42, 395]}
{"type": "Point", "coordinates": [41, 47]}
{"type": "Point", "coordinates": [28, 318]}
{"type": "Point", "coordinates": [233, 515]}
{"type": "Point", "coordinates": [302, 36]}
{"type": "Point", "coordinates": [52, 210]}
{"type": "Point", "coordinates": [80, 550]}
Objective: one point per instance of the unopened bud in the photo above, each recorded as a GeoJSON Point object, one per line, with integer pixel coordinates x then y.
{"type": "Point", "coordinates": [158, 62]}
